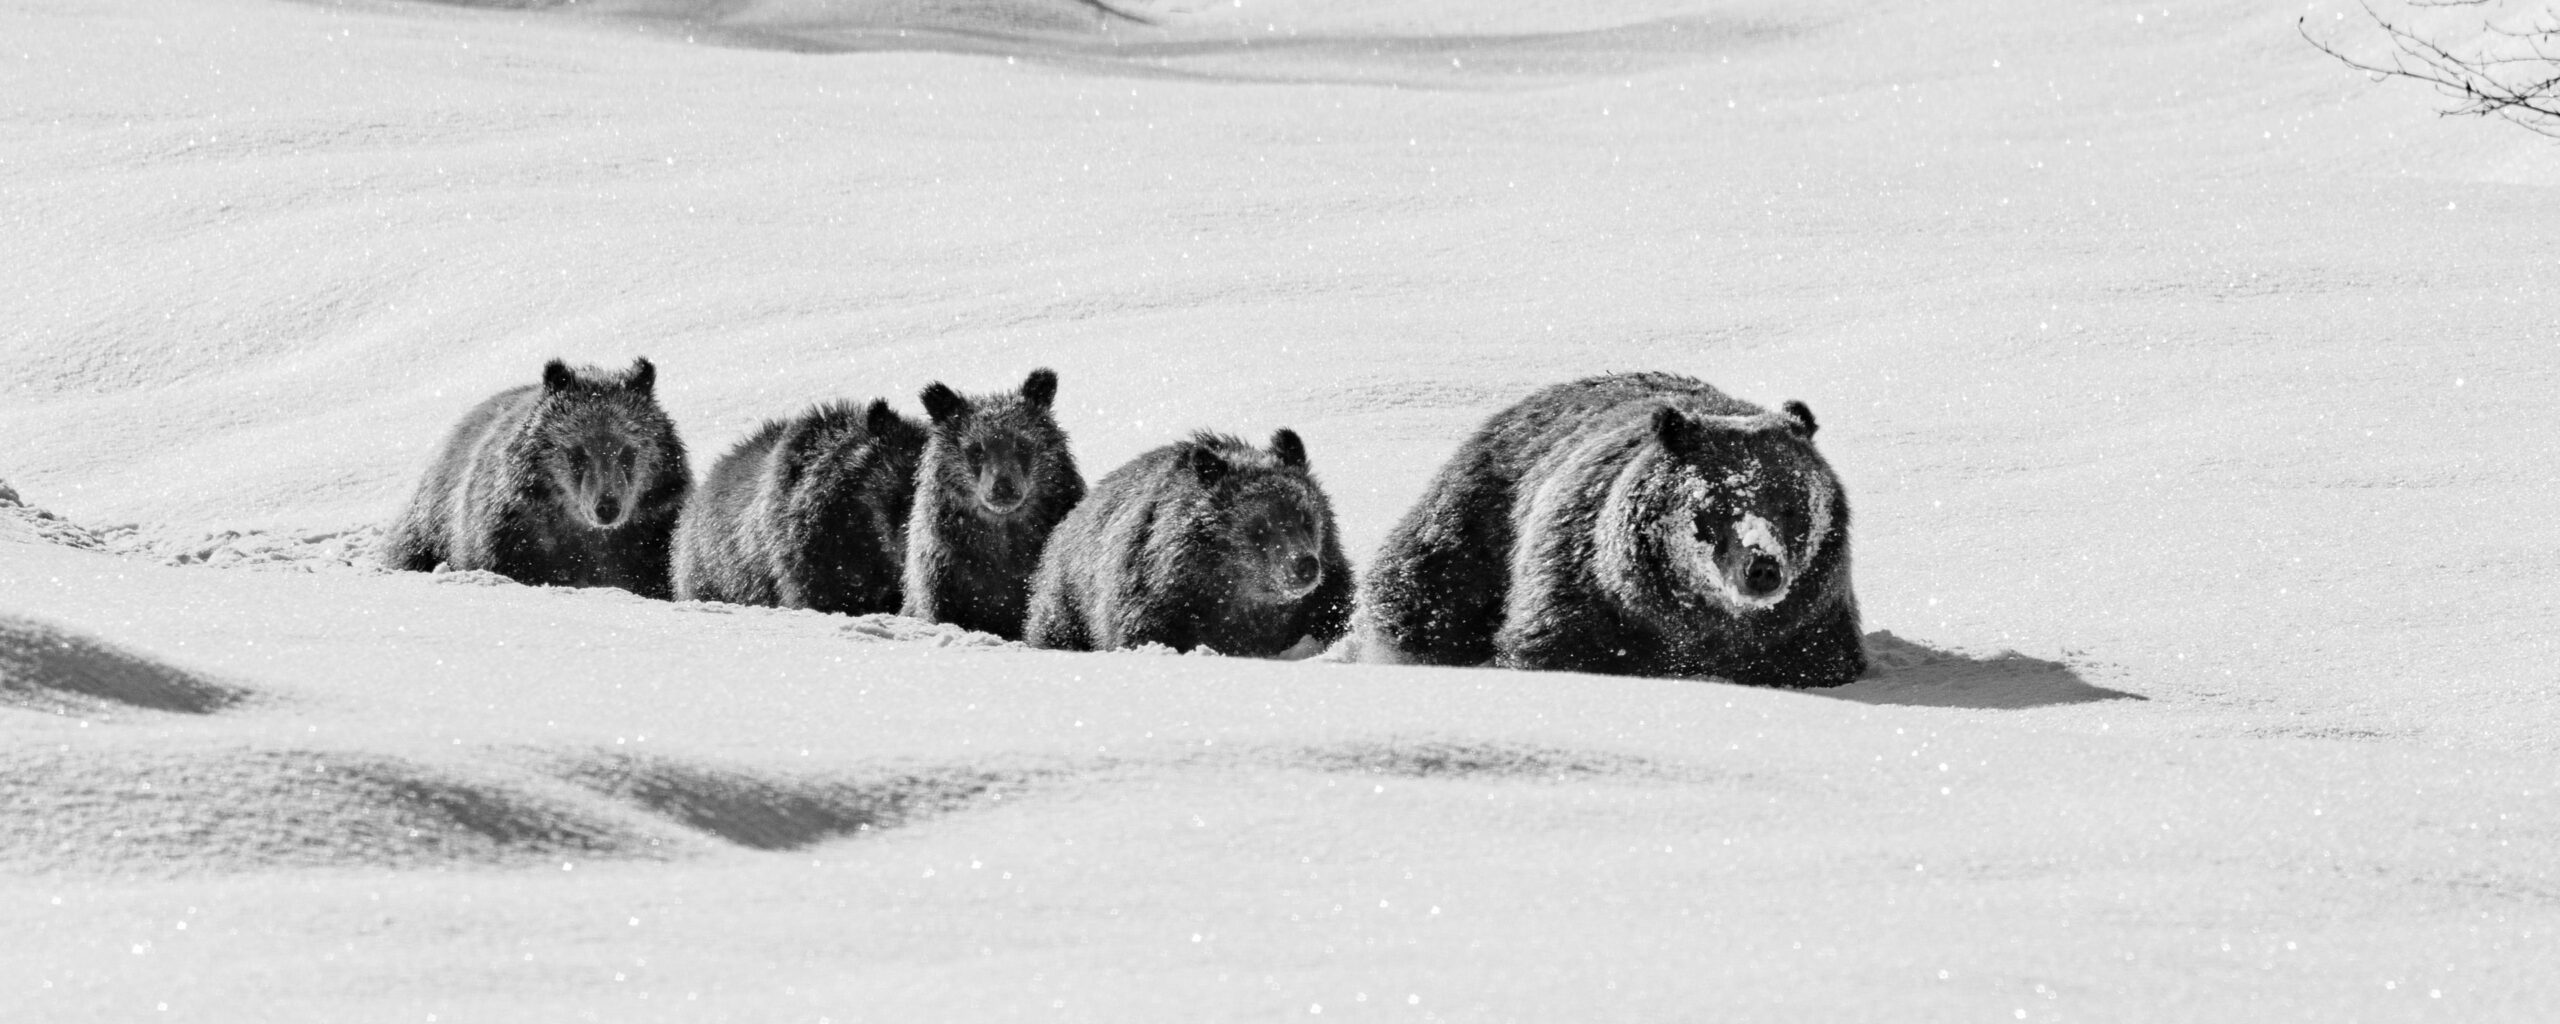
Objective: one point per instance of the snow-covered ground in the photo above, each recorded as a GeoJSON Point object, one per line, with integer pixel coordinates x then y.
{"type": "Point", "coordinates": [2194, 395]}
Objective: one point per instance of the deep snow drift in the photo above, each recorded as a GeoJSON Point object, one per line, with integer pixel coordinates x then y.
{"type": "Point", "coordinates": [2192, 394]}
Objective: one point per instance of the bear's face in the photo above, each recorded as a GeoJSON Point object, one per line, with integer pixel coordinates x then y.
{"type": "Point", "coordinates": [599, 469]}
{"type": "Point", "coordinates": [601, 449]}
{"type": "Point", "coordinates": [1001, 466]}
{"type": "Point", "coordinates": [1750, 511]}
{"type": "Point", "coordinates": [1000, 449]}
{"type": "Point", "coordinates": [1268, 518]}
{"type": "Point", "coordinates": [1278, 542]}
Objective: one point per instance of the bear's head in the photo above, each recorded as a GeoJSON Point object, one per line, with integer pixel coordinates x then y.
{"type": "Point", "coordinates": [1744, 510]}
{"type": "Point", "coordinates": [1264, 515]}
{"type": "Point", "coordinates": [998, 449]}
{"type": "Point", "coordinates": [605, 445]}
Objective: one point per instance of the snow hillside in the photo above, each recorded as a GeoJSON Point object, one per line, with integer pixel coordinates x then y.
{"type": "Point", "coordinates": [2190, 390]}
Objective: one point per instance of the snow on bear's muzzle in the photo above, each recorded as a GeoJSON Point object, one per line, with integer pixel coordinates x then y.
{"type": "Point", "coordinates": [1753, 562]}
{"type": "Point", "coordinates": [1288, 564]}
{"type": "Point", "coordinates": [1738, 561]}
{"type": "Point", "coordinates": [1295, 572]}
{"type": "Point", "coordinates": [1286, 546]}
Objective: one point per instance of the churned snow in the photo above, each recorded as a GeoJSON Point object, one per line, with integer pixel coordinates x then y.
{"type": "Point", "coordinates": [2192, 395]}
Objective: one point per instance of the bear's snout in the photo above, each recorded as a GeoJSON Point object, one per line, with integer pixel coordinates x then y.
{"type": "Point", "coordinates": [608, 510]}
{"type": "Point", "coordinates": [1003, 479]}
{"type": "Point", "coordinates": [1303, 572]}
{"type": "Point", "coordinates": [1763, 576]}
{"type": "Point", "coordinates": [1001, 495]}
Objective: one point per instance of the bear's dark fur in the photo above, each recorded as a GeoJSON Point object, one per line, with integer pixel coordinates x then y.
{"type": "Point", "coordinates": [575, 482]}
{"type": "Point", "coordinates": [1205, 542]}
{"type": "Point", "coordinates": [996, 477]}
{"type": "Point", "coordinates": [809, 512]}
{"type": "Point", "coordinates": [1637, 524]}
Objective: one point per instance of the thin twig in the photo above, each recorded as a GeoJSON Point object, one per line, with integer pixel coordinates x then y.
{"type": "Point", "coordinates": [2482, 84]}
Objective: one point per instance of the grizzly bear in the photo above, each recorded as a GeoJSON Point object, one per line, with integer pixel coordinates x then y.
{"type": "Point", "coordinates": [808, 512]}
{"type": "Point", "coordinates": [1635, 524]}
{"type": "Point", "coordinates": [576, 482]}
{"type": "Point", "coordinates": [1206, 542]}
{"type": "Point", "coordinates": [996, 477]}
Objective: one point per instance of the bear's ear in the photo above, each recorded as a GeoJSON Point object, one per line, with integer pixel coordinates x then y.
{"type": "Point", "coordinates": [556, 376]}
{"type": "Point", "coordinates": [644, 376]}
{"type": "Point", "coordinates": [1679, 434]}
{"type": "Point", "coordinates": [880, 419]}
{"type": "Point", "coordinates": [1803, 415]}
{"type": "Point", "coordinates": [1205, 463]}
{"type": "Point", "coordinates": [942, 404]}
{"type": "Point", "coordinates": [1040, 388]}
{"type": "Point", "coordinates": [1290, 450]}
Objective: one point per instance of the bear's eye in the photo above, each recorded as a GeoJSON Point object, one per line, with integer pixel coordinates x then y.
{"type": "Point", "coordinates": [628, 459]}
{"type": "Point", "coordinates": [975, 451]}
{"type": "Point", "coordinates": [1705, 528]}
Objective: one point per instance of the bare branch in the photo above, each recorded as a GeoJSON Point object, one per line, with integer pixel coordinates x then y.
{"type": "Point", "coordinates": [2506, 71]}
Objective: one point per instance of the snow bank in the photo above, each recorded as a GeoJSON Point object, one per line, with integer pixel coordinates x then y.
{"type": "Point", "coordinates": [49, 669]}
{"type": "Point", "coordinates": [2191, 395]}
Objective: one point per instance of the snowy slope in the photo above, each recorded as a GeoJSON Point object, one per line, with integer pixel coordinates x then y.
{"type": "Point", "coordinates": [2191, 393]}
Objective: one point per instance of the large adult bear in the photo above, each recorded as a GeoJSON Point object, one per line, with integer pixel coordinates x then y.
{"type": "Point", "coordinates": [1633, 524]}
{"type": "Point", "coordinates": [575, 482]}
{"type": "Point", "coordinates": [808, 512]}
{"type": "Point", "coordinates": [1205, 542]}
{"type": "Point", "coordinates": [995, 479]}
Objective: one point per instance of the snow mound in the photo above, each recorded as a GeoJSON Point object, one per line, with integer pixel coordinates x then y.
{"type": "Point", "coordinates": [48, 668]}
{"type": "Point", "coordinates": [755, 17]}
{"type": "Point", "coordinates": [332, 549]}
{"type": "Point", "coordinates": [1424, 759]}
{"type": "Point", "coordinates": [124, 808]}
{"type": "Point", "coordinates": [899, 628]}
{"type": "Point", "coordinates": [1445, 52]}
{"type": "Point", "coordinates": [27, 524]}
{"type": "Point", "coordinates": [877, 626]}
{"type": "Point", "coordinates": [1408, 44]}
{"type": "Point", "coordinates": [471, 578]}
{"type": "Point", "coordinates": [339, 549]}
{"type": "Point", "coordinates": [779, 812]}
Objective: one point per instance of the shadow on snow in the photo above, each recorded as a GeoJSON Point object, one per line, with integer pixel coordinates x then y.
{"type": "Point", "coordinates": [1917, 674]}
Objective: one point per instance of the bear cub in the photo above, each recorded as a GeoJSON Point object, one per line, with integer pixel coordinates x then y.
{"type": "Point", "coordinates": [1206, 542]}
{"type": "Point", "coordinates": [995, 479]}
{"type": "Point", "coordinates": [1635, 524]}
{"type": "Point", "coordinates": [808, 512]}
{"type": "Point", "coordinates": [576, 482]}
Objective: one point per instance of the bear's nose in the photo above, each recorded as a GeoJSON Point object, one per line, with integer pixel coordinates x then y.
{"type": "Point", "coordinates": [1762, 577]}
{"type": "Point", "coordinates": [1303, 570]}
{"type": "Point", "coordinates": [608, 509]}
